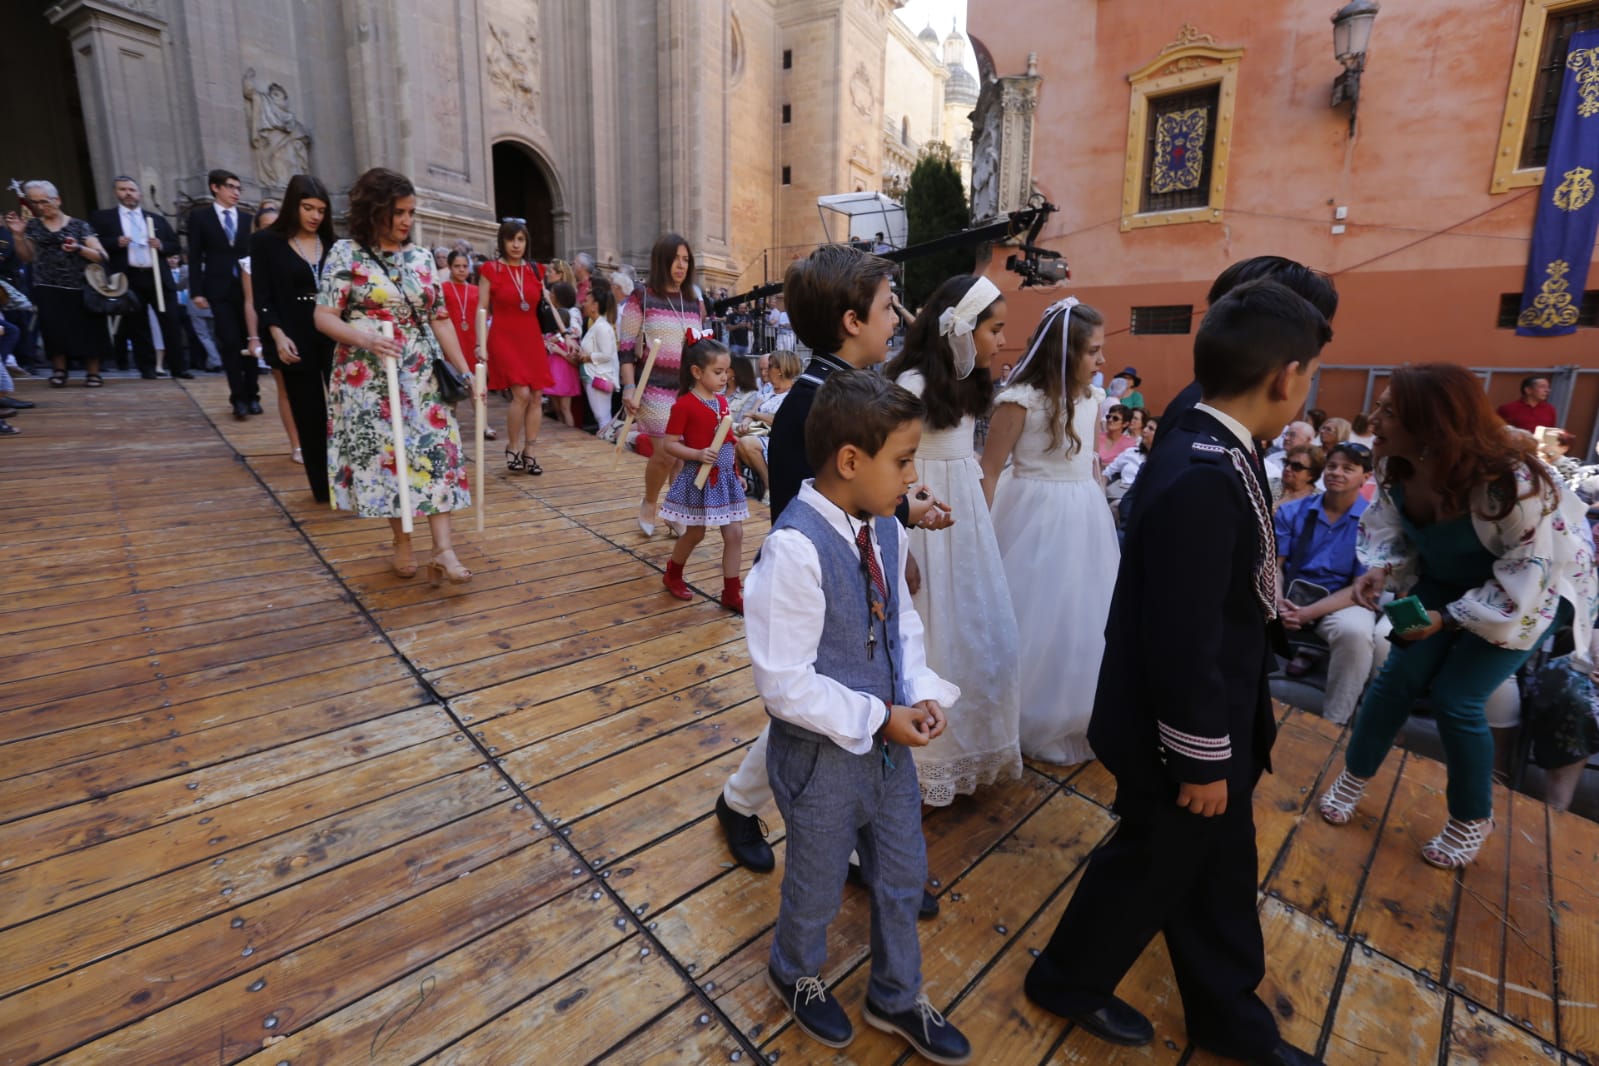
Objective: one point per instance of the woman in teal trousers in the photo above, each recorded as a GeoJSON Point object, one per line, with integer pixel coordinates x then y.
{"type": "Point", "coordinates": [1472, 523]}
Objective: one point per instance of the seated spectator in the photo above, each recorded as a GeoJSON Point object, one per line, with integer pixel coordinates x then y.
{"type": "Point", "coordinates": [1316, 546]}
{"type": "Point", "coordinates": [1360, 430]}
{"type": "Point", "coordinates": [1301, 468]}
{"type": "Point", "coordinates": [1533, 409]}
{"type": "Point", "coordinates": [753, 440]}
{"type": "Point", "coordinates": [1333, 431]}
{"type": "Point", "coordinates": [1294, 435]}
{"type": "Point", "coordinates": [1114, 439]}
{"type": "Point", "coordinates": [1123, 470]}
{"type": "Point", "coordinates": [746, 391]}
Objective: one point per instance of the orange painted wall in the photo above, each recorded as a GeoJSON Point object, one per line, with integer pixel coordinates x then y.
{"type": "Point", "coordinates": [1432, 99]}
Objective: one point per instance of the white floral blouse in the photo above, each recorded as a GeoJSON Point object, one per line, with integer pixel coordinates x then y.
{"type": "Point", "coordinates": [1543, 553]}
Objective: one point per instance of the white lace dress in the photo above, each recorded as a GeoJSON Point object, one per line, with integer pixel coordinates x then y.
{"type": "Point", "coordinates": [965, 608]}
{"type": "Point", "coordinates": [1058, 546]}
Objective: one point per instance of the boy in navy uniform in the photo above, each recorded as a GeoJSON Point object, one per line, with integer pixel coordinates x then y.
{"type": "Point", "coordinates": [1183, 717]}
{"type": "Point", "coordinates": [836, 648]}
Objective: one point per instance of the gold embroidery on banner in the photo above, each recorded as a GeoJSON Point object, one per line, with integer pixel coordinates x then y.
{"type": "Point", "coordinates": [1552, 306]}
{"type": "Point", "coordinates": [1576, 191]}
{"type": "Point", "coordinates": [1584, 63]}
{"type": "Point", "coordinates": [1179, 150]}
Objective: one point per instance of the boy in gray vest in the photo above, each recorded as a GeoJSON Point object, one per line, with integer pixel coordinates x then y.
{"type": "Point", "coordinates": [837, 653]}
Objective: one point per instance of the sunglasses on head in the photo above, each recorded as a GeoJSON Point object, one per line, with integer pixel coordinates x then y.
{"type": "Point", "coordinates": [518, 221]}
{"type": "Point", "coordinates": [1356, 447]}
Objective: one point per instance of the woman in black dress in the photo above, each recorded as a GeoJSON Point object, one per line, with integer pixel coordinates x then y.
{"type": "Point", "coordinates": [286, 271]}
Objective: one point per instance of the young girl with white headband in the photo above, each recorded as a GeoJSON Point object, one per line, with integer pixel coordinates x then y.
{"type": "Point", "coordinates": [963, 600]}
{"type": "Point", "coordinates": [1057, 542]}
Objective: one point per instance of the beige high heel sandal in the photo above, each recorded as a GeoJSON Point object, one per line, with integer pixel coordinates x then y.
{"type": "Point", "coordinates": [439, 569]}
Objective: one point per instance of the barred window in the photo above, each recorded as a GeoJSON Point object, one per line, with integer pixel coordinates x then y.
{"type": "Point", "coordinates": [1163, 318]}
{"type": "Point", "coordinates": [1181, 125]}
{"type": "Point", "coordinates": [1551, 76]}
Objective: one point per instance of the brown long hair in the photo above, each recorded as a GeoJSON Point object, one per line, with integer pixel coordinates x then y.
{"type": "Point", "coordinates": [1044, 371]}
{"type": "Point", "coordinates": [1468, 445]}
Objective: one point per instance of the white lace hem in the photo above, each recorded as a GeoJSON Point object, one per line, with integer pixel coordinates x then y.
{"type": "Point", "coordinates": [941, 782]}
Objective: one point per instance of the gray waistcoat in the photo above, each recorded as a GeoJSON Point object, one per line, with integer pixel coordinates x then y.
{"type": "Point", "coordinates": [841, 653]}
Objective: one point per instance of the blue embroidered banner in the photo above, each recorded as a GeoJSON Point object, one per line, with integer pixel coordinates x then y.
{"type": "Point", "coordinates": [1179, 150]}
{"type": "Point", "coordinates": [1568, 212]}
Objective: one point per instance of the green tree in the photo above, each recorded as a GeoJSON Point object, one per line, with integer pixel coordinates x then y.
{"type": "Point", "coordinates": [935, 206]}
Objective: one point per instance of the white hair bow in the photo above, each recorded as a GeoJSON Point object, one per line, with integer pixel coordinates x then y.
{"type": "Point", "coordinates": [959, 322]}
{"type": "Point", "coordinates": [1062, 305]}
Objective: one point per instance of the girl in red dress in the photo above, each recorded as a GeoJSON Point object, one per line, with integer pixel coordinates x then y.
{"type": "Point", "coordinates": [690, 431]}
{"type": "Point", "coordinates": [460, 303]}
{"type": "Point", "coordinates": [511, 289]}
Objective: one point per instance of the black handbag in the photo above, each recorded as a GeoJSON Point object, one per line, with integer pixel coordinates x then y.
{"type": "Point", "coordinates": [108, 294]}
{"type": "Point", "coordinates": [451, 384]}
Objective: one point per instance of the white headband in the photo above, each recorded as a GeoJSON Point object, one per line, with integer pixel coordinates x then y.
{"type": "Point", "coordinates": [958, 322]}
{"type": "Point", "coordinates": [1065, 305]}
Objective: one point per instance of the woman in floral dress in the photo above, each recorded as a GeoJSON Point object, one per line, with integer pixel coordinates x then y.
{"type": "Point", "coordinates": [379, 276]}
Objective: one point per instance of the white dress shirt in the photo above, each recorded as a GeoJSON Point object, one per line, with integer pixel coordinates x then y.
{"type": "Point", "coordinates": [1238, 429]}
{"type": "Point", "coordinates": [784, 610]}
{"type": "Point", "coordinates": [137, 229]}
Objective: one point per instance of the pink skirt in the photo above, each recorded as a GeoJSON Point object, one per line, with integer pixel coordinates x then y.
{"type": "Point", "coordinates": [565, 376]}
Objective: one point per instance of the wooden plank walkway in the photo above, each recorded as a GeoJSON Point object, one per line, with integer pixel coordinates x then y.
{"type": "Point", "coordinates": [260, 799]}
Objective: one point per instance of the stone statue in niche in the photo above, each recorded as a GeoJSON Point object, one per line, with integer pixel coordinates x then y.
{"type": "Point", "coordinates": [986, 121]}
{"type": "Point", "coordinates": [282, 143]}
{"type": "Point", "coordinates": [514, 67]}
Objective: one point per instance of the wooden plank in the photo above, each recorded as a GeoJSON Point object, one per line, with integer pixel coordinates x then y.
{"type": "Point", "coordinates": [1095, 782]}
{"type": "Point", "coordinates": [1303, 958]}
{"type": "Point", "coordinates": [687, 1035]}
{"type": "Point", "coordinates": [636, 768]}
{"type": "Point", "coordinates": [449, 997]}
{"type": "Point", "coordinates": [1407, 907]}
{"type": "Point", "coordinates": [1574, 851]}
{"type": "Point", "coordinates": [69, 879]}
{"type": "Point", "coordinates": [990, 912]}
{"type": "Point", "coordinates": [583, 692]}
{"type": "Point", "coordinates": [575, 1019]}
{"type": "Point", "coordinates": [1478, 1038]}
{"type": "Point", "coordinates": [1386, 1013]}
{"type": "Point", "coordinates": [1323, 865]}
{"type": "Point", "coordinates": [1529, 986]}
{"type": "Point", "coordinates": [1477, 956]}
{"type": "Point", "coordinates": [224, 1023]}
{"type": "Point", "coordinates": [95, 998]}
{"type": "Point", "coordinates": [40, 836]}
{"type": "Point", "coordinates": [1302, 759]}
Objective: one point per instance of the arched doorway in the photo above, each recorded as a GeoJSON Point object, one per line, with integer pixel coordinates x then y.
{"type": "Point", "coordinates": [522, 190]}
{"type": "Point", "coordinates": [48, 132]}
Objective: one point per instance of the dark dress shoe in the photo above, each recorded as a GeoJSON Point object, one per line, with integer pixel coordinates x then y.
{"type": "Point", "coordinates": [746, 838]}
{"type": "Point", "coordinates": [148, 375]}
{"type": "Point", "coordinates": [933, 1037]}
{"type": "Point", "coordinates": [239, 413]}
{"type": "Point", "coordinates": [814, 1009]}
{"type": "Point", "coordinates": [1284, 1054]}
{"type": "Point", "coordinates": [929, 906]}
{"type": "Point", "coordinates": [1106, 1017]}
{"type": "Point", "coordinates": [183, 375]}
{"type": "Point", "coordinates": [254, 408]}
{"type": "Point", "coordinates": [15, 404]}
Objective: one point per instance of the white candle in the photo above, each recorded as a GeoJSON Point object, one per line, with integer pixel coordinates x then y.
{"type": "Point", "coordinates": [155, 267]}
{"type": "Point", "coordinates": [480, 374]}
{"type": "Point", "coordinates": [402, 467]}
{"type": "Point", "coordinates": [722, 430]}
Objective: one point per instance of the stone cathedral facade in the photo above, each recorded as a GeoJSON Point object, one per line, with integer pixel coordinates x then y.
{"type": "Point", "coordinates": [602, 122]}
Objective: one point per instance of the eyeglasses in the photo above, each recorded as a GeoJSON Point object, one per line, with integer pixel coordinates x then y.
{"type": "Point", "coordinates": [518, 221]}
{"type": "Point", "coordinates": [38, 203]}
{"type": "Point", "coordinates": [235, 186]}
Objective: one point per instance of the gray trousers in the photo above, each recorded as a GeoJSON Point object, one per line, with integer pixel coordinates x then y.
{"type": "Point", "coordinates": [834, 803]}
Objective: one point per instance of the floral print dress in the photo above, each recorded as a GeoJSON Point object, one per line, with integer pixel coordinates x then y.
{"type": "Point", "coordinates": [361, 468]}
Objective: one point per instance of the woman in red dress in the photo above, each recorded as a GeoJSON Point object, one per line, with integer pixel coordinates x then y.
{"type": "Point", "coordinates": [460, 303]}
{"type": "Point", "coordinates": [511, 289]}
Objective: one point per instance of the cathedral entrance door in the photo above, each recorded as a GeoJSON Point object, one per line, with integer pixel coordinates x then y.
{"type": "Point", "coordinates": [522, 190]}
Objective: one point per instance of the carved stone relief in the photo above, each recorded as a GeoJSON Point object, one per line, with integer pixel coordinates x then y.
{"type": "Point", "coordinates": [860, 91]}
{"type": "Point", "coordinates": [281, 143]}
{"type": "Point", "coordinates": [513, 66]}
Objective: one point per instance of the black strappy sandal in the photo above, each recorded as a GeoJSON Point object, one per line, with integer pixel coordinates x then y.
{"type": "Point", "coordinates": [531, 464]}
{"type": "Point", "coordinates": [58, 379]}
{"type": "Point", "coordinates": [513, 461]}
{"type": "Point", "coordinates": [93, 381]}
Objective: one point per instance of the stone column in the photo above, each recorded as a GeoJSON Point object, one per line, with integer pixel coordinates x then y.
{"type": "Point", "coordinates": [1019, 101]}
{"type": "Point", "coordinates": [125, 83]}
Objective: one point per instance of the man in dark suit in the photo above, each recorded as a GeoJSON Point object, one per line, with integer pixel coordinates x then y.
{"type": "Point", "coordinates": [219, 236]}
{"type": "Point", "coordinates": [1183, 717]}
{"type": "Point", "coordinates": [135, 240]}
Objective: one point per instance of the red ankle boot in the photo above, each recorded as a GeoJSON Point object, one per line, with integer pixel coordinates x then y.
{"type": "Point", "coordinates": [733, 595]}
{"type": "Point", "coordinates": [673, 580]}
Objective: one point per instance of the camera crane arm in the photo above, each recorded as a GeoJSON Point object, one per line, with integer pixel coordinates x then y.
{"type": "Point", "coordinates": [1028, 221]}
